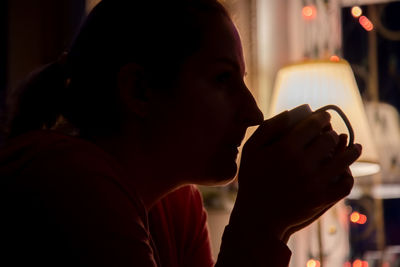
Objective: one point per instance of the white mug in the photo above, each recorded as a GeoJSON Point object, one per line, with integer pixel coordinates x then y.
{"type": "Point", "coordinates": [301, 112]}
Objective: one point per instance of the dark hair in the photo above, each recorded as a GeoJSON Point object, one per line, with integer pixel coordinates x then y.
{"type": "Point", "coordinates": [159, 35]}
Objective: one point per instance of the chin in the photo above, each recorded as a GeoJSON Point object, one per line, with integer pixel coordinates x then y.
{"type": "Point", "coordinates": [220, 173]}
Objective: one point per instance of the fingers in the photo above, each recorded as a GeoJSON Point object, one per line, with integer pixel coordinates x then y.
{"type": "Point", "coordinates": [342, 143]}
{"type": "Point", "coordinates": [310, 128]}
{"type": "Point", "coordinates": [270, 130]}
{"type": "Point", "coordinates": [322, 148]}
{"type": "Point", "coordinates": [341, 188]}
{"type": "Point", "coordinates": [343, 160]}
{"type": "Point", "coordinates": [300, 226]}
{"type": "Point", "coordinates": [333, 180]}
{"type": "Point", "coordinates": [339, 180]}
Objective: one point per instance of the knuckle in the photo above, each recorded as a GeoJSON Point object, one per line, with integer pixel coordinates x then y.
{"type": "Point", "coordinates": [315, 123]}
{"type": "Point", "coordinates": [320, 120]}
{"type": "Point", "coordinates": [331, 138]}
{"type": "Point", "coordinates": [347, 185]}
{"type": "Point", "coordinates": [326, 116]}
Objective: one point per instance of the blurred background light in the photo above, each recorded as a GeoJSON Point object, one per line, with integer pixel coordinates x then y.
{"type": "Point", "coordinates": [334, 58]}
{"type": "Point", "coordinates": [366, 23]}
{"type": "Point", "coordinates": [313, 263]}
{"type": "Point", "coordinates": [309, 12]}
{"type": "Point", "coordinates": [356, 11]}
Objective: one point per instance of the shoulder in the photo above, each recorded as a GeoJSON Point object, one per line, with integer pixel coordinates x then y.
{"type": "Point", "coordinates": [49, 146]}
{"type": "Point", "coordinates": [76, 191]}
{"type": "Point", "coordinates": [61, 168]}
{"type": "Point", "coordinates": [189, 193]}
{"type": "Point", "coordinates": [181, 209]}
{"type": "Point", "coordinates": [60, 163]}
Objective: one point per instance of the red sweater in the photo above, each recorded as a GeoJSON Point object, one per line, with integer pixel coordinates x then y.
{"type": "Point", "coordinates": [65, 202]}
{"type": "Point", "coordinates": [178, 226]}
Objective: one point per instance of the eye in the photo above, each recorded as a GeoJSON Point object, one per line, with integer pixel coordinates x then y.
{"type": "Point", "coordinates": [224, 77]}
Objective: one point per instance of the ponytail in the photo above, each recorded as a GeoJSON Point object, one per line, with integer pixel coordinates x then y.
{"type": "Point", "coordinates": [37, 101]}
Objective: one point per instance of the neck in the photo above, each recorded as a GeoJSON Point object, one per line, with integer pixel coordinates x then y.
{"type": "Point", "coordinates": [147, 172]}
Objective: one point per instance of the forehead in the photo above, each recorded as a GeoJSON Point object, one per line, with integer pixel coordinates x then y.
{"type": "Point", "coordinates": [221, 40]}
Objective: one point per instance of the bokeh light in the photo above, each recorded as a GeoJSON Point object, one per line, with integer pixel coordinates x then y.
{"type": "Point", "coordinates": [313, 263]}
{"type": "Point", "coordinates": [354, 217]}
{"type": "Point", "coordinates": [360, 263]}
{"type": "Point", "coordinates": [309, 12]}
{"type": "Point", "coordinates": [357, 263]}
{"type": "Point", "coordinates": [362, 220]}
{"type": "Point", "coordinates": [334, 58]}
{"type": "Point", "coordinates": [366, 23]}
{"type": "Point", "coordinates": [357, 217]}
{"type": "Point", "coordinates": [356, 11]}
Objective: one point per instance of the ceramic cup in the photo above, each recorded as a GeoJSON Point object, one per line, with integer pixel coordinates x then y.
{"type": "Point", "coordinates": [299, 113]}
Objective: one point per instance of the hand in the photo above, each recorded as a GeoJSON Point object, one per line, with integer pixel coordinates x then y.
{"type": "Point", "coordinates": [290, 176]}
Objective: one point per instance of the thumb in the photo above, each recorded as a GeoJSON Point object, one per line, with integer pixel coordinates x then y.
{"type": "Point", "coordinates": [270, 130]}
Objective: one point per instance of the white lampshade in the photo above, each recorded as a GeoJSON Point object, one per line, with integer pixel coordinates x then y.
{"type": "Point", "coordinates": [385, 125]}
{"type": "Point", "coordinates": [319, 83]}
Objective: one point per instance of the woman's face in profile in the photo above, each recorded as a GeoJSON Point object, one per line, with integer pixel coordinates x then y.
{"type": "Point", "coordinates": [213, 107]}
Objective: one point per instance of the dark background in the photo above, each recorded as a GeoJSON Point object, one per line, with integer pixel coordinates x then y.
{"type": "Point", "coordinates": [3, 57]}
{"type": "Point", "coordinates": [33, 33]}
{"type": "Point", "coordinates": [355, 50]}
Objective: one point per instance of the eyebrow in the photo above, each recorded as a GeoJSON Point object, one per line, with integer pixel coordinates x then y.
{"type": "Point", "coordinates": [231, 62]}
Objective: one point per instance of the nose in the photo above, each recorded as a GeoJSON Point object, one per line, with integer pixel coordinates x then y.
{"type": "Point", "coordinates": [251, 114]}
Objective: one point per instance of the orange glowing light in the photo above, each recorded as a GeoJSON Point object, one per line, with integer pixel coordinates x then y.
{"type": "Point", "coordinates": [362, 220]}
{"type": "Point", "coordinates": [366, 23]}
{"type": "Point", "coordinates": [309, 12]}
{"type": "Point", "coordinates": [357, 217]}
{"type": "Point", "coordinates": [354, 217]}
{"type": "Point", "coordinates": [364, 263]}
{"type": "Point", "coordinates": [313, 263]}
{"type": "Point", "coordinates": [334, 58]}
{"type": "Point", "coordinates": [356, 11]}
{"type": "Point", "coordinates": [347, 264]}
{"type": "Point", "coordinates": [357, 263]}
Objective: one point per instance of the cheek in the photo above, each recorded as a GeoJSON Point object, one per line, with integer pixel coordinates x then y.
{"type": "Point", "coordinates": [213, 118]}
{"type": "Point", "coordinates": [201, 120]}
{"type": "Point", "coordinates": [216, 158]}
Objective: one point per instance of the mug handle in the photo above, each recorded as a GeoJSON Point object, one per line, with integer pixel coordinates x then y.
{"type": "Point", "coordinates": [345, 119]}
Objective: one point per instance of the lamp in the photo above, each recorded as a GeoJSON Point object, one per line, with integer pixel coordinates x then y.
{"type": "Point", "coordinates": [384, 121]}
{"type": "Point", "coordinates": [322, 82]}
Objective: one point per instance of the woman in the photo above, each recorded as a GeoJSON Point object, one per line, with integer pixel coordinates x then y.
{"type": "Point", "coordinates": [156, 92]}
